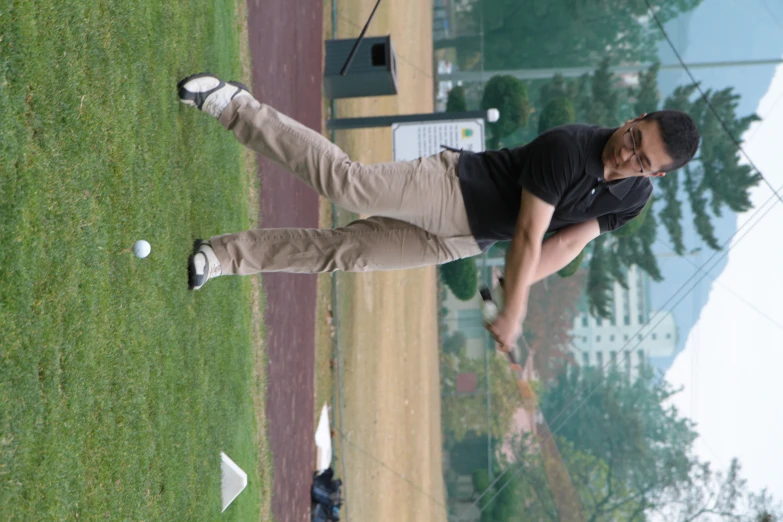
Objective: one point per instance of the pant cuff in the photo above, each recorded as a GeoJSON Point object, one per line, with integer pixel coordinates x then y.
{"type": "Point", "coordinates": [226, 263]}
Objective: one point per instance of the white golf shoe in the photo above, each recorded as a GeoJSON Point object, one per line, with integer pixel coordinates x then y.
{"type": "Point", "coordinates": [208, 93]}
{"type": "Point", "coordinates": [203, 265]}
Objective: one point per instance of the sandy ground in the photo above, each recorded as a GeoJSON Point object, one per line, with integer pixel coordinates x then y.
{"type": "Point", "coordinates": [388, 374]}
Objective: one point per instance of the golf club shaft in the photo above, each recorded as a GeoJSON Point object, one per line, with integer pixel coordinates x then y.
{"type": "Point", "coordinates": [567, 501]}
{"type": "Point", "coordinates": [348, 61]}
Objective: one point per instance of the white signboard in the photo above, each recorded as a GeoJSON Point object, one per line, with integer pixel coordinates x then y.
{"type": "Point", "coordinates": [411, 141]}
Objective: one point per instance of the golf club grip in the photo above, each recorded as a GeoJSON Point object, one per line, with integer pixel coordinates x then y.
{"type": "Point", "coordinates": [490, 308]}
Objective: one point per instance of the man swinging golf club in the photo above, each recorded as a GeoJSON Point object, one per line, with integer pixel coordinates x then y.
{"type": "Point", "coordinates": [577, 181]}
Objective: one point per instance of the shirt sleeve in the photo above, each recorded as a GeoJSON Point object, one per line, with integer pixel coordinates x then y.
{"type": "Point", "coordinates": [615, 220]}
{"type": "Point", "coordinates": [549, 166]}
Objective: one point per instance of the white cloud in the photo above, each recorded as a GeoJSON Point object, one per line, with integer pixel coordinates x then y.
{"type": "Point", "coordinates": [732, 365]}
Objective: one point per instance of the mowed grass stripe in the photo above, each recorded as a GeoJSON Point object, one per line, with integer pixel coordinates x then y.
{"type": "Point", "coordinates": [118, 387]}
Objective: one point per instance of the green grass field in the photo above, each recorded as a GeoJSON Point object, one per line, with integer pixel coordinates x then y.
{"type": "Point", "coordinates": [118, 386]}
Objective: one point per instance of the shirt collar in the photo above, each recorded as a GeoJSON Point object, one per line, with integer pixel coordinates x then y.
{"type": "Point", "coordinates": [594, 166]}
{"type": "Point", "coordinates": [620, 188]}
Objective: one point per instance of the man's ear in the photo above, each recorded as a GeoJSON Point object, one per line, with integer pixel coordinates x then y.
{"type": "Point", "coordinates": [658, 174]}
{"type": "Point", "coordinates": [638, 118]}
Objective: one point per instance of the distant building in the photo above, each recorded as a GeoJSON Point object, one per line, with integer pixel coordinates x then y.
{"type": "Point", "coordinates": [442, 19]}
{"type": "Point", "coordinates": [445, 14]}
{"type": "Point", "coordinates": [631, 335]}
{"type": "Point", "coordinates": [466, 382]}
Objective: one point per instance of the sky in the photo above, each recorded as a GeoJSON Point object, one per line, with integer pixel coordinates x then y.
{"type": "Point", "coordinates": [716, 30]}
{"type": "Point", "coordinates": [731, 369]}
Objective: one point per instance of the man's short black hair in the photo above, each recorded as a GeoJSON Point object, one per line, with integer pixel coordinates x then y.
{"type": "Point", "coordinates": [680, 136]}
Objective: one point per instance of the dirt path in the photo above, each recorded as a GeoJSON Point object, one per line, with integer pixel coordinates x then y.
{"type": "Point", "coordinates": [286, 48]}
{"type": "Point", "coordinates": [392, 445]}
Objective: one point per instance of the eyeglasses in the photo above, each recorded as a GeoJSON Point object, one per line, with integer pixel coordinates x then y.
{"type": "Point", "coordinates": [636, 162]}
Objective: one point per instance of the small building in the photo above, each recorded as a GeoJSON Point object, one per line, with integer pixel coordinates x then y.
{"type": "Point", "coordinates": [466, 382]}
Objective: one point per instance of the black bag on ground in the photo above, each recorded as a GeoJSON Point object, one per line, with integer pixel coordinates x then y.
{"type": "Point", "coordinates": [326, 497]}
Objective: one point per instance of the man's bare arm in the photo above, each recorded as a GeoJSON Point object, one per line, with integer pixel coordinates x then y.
{"type": "Point", "coordinates": [524, 254]}
{"type": "Point", "coordinates": [563, 247]}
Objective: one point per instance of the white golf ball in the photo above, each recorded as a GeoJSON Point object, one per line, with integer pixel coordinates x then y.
{"type": "Point", "coordinates": [141, 249]}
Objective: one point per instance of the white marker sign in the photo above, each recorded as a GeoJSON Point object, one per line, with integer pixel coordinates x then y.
{"type": "Point", "coordinates": [411, 141]}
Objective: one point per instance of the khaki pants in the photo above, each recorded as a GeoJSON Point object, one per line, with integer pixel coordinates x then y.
{"type": "Point", "coordinates": [418, 213]}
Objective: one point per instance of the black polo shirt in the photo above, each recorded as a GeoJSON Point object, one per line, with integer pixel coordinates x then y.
{"type": "Point", "coordinates": [563, 167]}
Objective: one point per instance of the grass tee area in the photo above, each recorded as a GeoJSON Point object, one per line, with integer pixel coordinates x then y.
{"type": "Point", "coordinates": [118, 386]}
